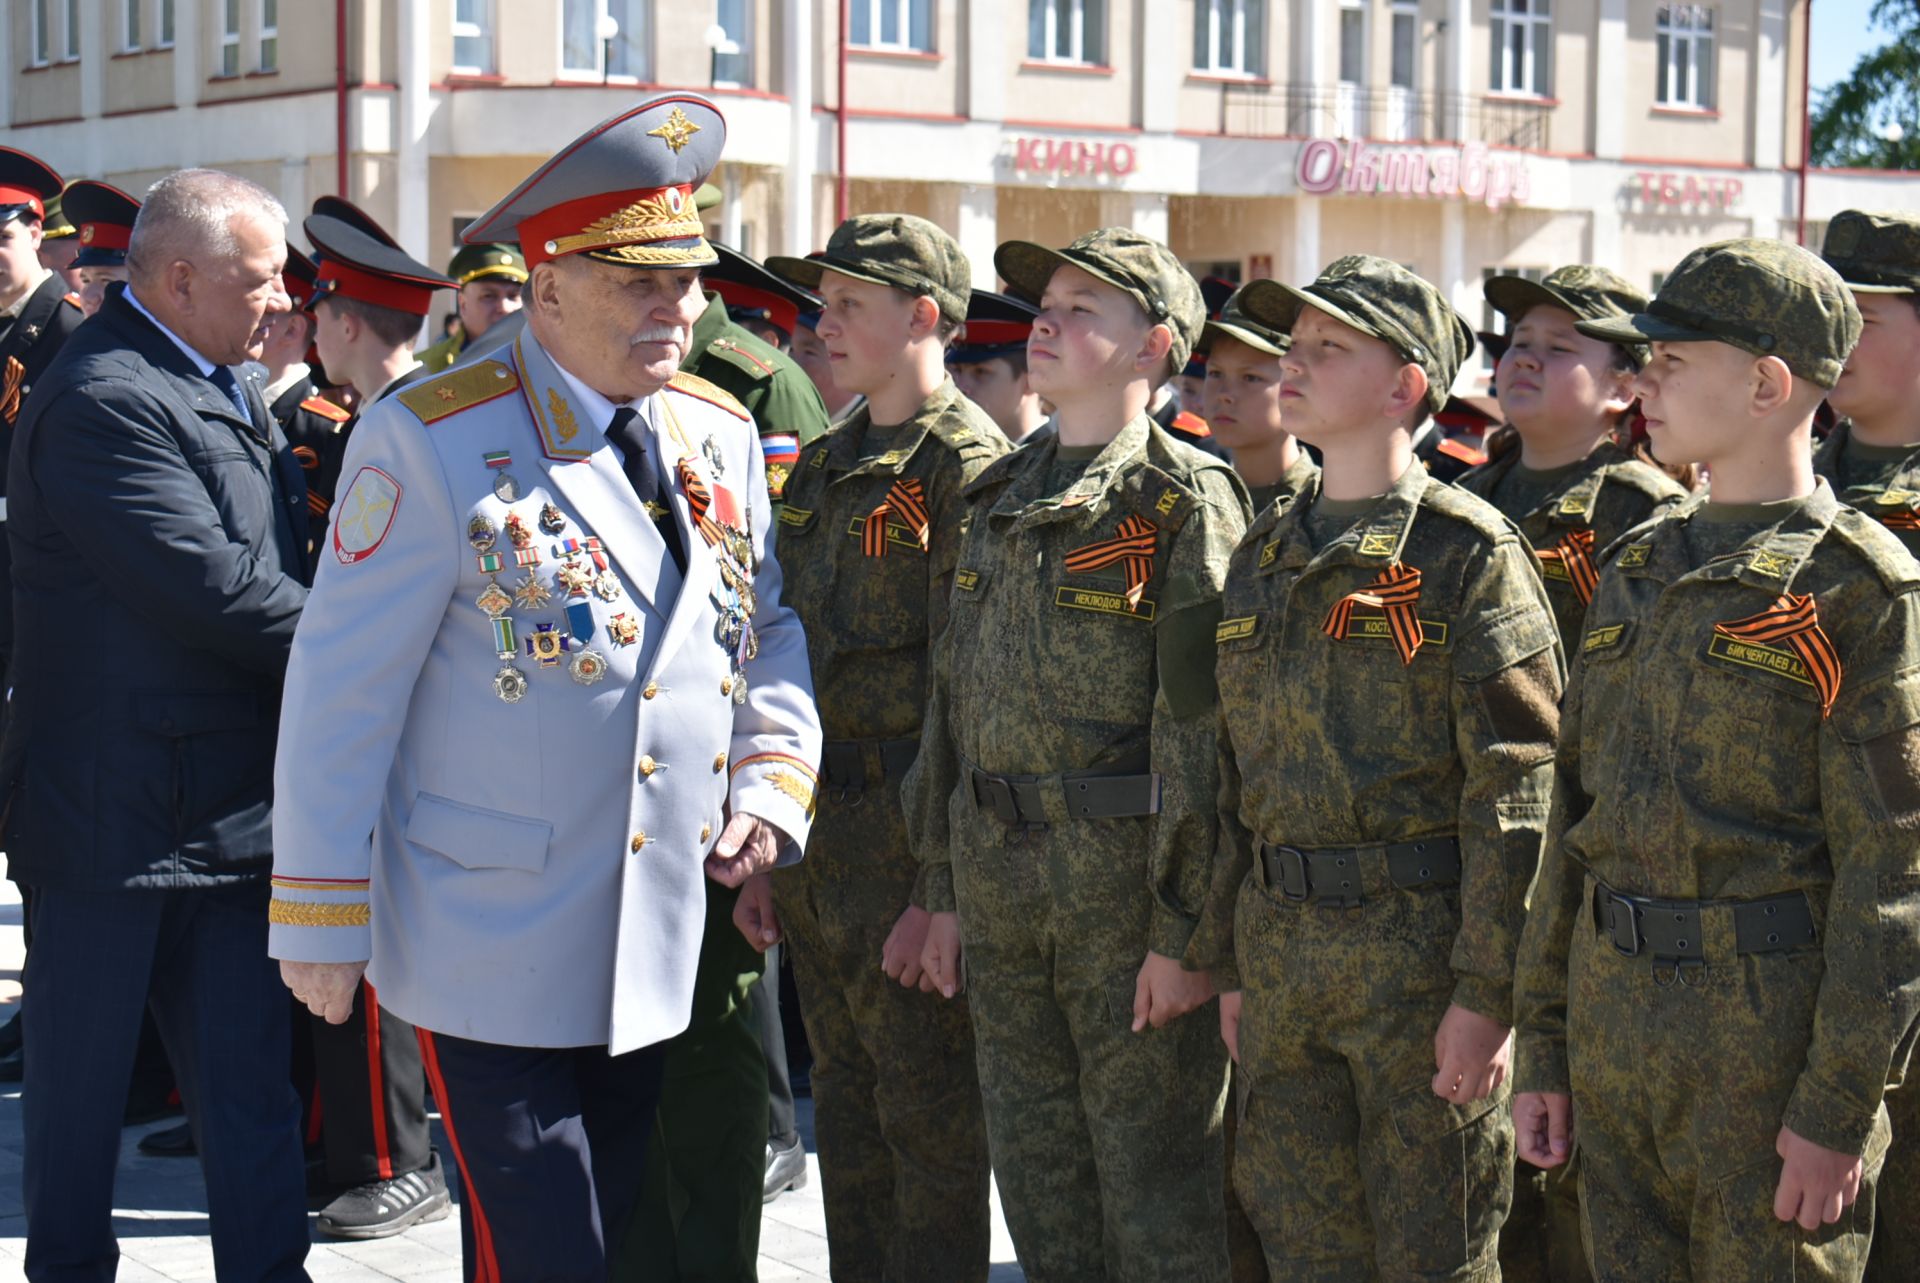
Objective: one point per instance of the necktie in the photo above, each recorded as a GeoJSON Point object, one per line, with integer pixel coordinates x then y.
{"type": "Point", "coordinates": [625, 431]}
{"type": "Point", "coordinates": [222, 378]}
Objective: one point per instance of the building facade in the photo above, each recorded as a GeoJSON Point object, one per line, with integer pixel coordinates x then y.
{"type": "Point", "coordinates": [1258, 137]}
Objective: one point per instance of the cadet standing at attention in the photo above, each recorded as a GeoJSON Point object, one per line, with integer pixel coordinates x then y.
{"type": "Point", "coordinates": [1389, 673]}
{"type": "Point", "coordinates": [1722, 962]}
{"type": "Point", "coordinates": [1063, 799]}
{"type": "Point", "coordinates": [1569, 488]}
{"type": "Point", "coordinates": [869, 538]}
{"type": "Point", "coordinates": [489, 278]}
{"type": "Point", "coordinates": [1872, 461]}
{"type": "Point", "coordinates": [1242, 397]}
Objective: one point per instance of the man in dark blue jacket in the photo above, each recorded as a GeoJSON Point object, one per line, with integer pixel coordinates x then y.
{"type": "Point", "coordinates": [157, 523]}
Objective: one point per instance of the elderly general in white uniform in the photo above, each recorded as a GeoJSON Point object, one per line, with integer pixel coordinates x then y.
{"type": "Point", "coordinates": [544, 684]}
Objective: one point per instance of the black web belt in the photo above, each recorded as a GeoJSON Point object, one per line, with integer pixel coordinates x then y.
{"type": "Point", "coordinates": [1332, 875]}
{"type": "Point", "coordinates": [1673, 930]}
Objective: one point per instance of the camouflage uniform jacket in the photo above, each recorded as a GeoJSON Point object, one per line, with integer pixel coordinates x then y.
{"type": "Point", "coordinates": [871, 620]}
{"type": "Point", "coordinates": [1044, 670]}
{"type": "Point", "coordinates": [785, 405]}
{"type": "Point", "coordinates": [1891, 498]}
{"type": "Point", "coordinates": [1696, 766]}
{"type": "Point", "coordinates": [1608, 495]}
{"type": "Point", "coordinates": [1329, 742]}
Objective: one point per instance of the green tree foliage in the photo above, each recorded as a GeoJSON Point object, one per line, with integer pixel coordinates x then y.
{"type": "Point", "coordinates": [1871, 120]}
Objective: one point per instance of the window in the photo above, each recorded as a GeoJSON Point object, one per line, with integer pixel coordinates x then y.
{"type": "Point", "coordinates": [1406, 45]}
{"type": "Point", "coordinates": [166, 25]}
{"type": "Point", "coordinates": [269, 35]}
{"type": "Point", "coordinates": [582, 48]}
{"type": "Point", "coordinates": [1230, 36]}
{"type": "Point", "coordinates": [37, 14]}
{"type": "Point", "coordinates": [73, 30]}
{"type": "Point", "coordinates": [733, 60]}
{"type": "Point", "coordinates": [892, 24]}
{"type": "Point", "coordinates": [1522, 46]}
{"type": "Point", "coordinates": [1067, 30]}
{"type": "Point", "coordinates": [1353, 45]}
{"type": "Point", "coordinates": [473, 37]}
{"type": "Point", "coordinates": [130, 24]}
{"type": "Point", "coordinates": [230, 37]}
{"type": "Point", "coordinates": [1684, 51]}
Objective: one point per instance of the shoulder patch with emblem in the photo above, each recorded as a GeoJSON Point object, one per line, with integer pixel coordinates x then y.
{"type": "Point", "coordinates": [367, 510]}
{"type": "Point", "coordinates": [457, 390]}
{"type": "Point", "coordinates": [325, 409]}
{"type": "Point", "coordinates": [1635, 555]}
{"type": "Point", "coordinates": [694, 386]}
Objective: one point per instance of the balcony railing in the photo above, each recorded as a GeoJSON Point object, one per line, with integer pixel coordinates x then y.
{"type": "Point", "coordinates": [1386, 115]}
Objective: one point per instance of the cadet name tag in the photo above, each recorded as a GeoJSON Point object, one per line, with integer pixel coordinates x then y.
{"type": "Point", "coordinates": [966, 580]}
{"type": "Point", "coordinates": [1372, 630]}
{"type": "Point", "coordinates": [1236, 629]}
{"type": "Point", "coordinates": [1101, 603]}
{"type": "Point", "coordinates": [1555, 570]}
{"type": "Point", "coordinates": [897, 536]}
{"type": "Point", "coordinates": [795, 516]}
{"type": "Point", "coordinates": [1601, 638]}
{"type": "Point", "coordinates": [1767, 659]}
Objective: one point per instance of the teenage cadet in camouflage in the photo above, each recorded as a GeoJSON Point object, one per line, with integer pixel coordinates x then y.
{"type": "Point", "coordinates": [1872, 457]}
{"type": "Point", "coordinates": [1242, 400]}
{"type": "Point", "coordinates": [1722, 962]}
{"type": "Point", "coordinates": [1569, 488]}
{"type": "Point", "coordinates": [870, 534]}
{"type": "Point", "coordinates": [1872, 461]}
{"type": "Point", "coordinates": [1572, 491]}
{"type": "Point", "coordinates": [1388, 670]}
{"type": "Point", "coordinates": [1062, 801]}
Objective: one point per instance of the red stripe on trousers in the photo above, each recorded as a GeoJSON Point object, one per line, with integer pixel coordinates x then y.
{"type": "Point", "coordinates": [486, 1269]}
{"type": "Point", "coordinates": [376, 1085]}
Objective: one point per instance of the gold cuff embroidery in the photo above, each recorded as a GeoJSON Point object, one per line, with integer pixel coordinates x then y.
{"type": "Point", "coordinates": [300, 913]}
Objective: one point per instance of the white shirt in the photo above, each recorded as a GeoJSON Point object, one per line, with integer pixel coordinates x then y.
{"type": "Point", "coordinates": [293, 374]}
{"type": "Point", "coordinates": [19, 305]}
{"type": "Point", "coordinates": [200, 362]}
{"type": "Point", "coordinates": [598, 409]}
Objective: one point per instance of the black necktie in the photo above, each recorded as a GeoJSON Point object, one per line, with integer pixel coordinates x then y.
{"type": "Point", "coordinates": [625, 431]}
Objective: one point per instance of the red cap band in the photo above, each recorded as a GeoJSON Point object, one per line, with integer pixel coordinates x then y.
{"type": "Point", "coordinates": [105, 235]}
{"type": "Point", "coordinates": [22, 196]}
{"type": "Point", "coordinates": [347, 281]}
{"type": "Point", "coordinates": [780, 309]}
{"type": "Point", "coordinates": [595, 222]}
{"type": "Point", "coordinates": [996, 333]}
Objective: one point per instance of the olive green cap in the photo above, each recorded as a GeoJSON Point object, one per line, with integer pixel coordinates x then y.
{"type": "Point", "coordinates": [487, 261]}
{"type": "Point", "coordinates": [707, 197]}
{"type": "Point", "coordinates": [1762, 296]}
{"type": "Point", "coordinates": [1380, 298]}
{"type": "Point", "coordinates": [54, 224]}
{"type": "Point", "coordinates": [1139, 266]}
{"type": "Point", "coordinates": [1590, 293]}
{"type": "Point", "coordinates": [1874, 253]}
{"type": "Point", "coordinates": [898, 250]}
{"type": "Point", "coordinates": [1234, 323]}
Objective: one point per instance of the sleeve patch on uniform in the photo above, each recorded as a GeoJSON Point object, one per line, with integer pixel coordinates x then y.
{"type": "Point", "coordinates": [366, 515]}
{"type": "Point", "coordinates": [1168, 501]}
{"type": "Point", "coordinates": [1635, 555]}
{"type": "Point", "coordinates": [966, 580]}
{"type": "Point", "coordinates": [1236, 629]}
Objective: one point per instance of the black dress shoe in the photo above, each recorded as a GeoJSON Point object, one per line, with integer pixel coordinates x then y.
{"type": "Point", "coordinates": [169, 1142]}
{"type": "Point", "coordinates": [786, 1169]}
{"type": "Point", "coordinates": [381, 1209]}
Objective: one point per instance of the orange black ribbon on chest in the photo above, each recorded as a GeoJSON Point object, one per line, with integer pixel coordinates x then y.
{"type": "Point", "coordinates": [699, 503]}
{"type": "Point", "coordinates": [907, 500]}
{"type": "Point", "coordinates": [1901, 519]}
{"type": "Point", "coordinates": [1575, 552]}
{"type": "Point", "coordinates": [1794, 622]}
{"type": "Point", "coordinates": [1132, 547]}
{"type": "Point", "coordinates": [1395, 592]}
{"type": "Point", "coordinates": [10, 383]}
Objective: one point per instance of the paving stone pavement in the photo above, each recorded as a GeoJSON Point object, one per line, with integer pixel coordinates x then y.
{"type": "Point", "coordinates": [160, 1211]}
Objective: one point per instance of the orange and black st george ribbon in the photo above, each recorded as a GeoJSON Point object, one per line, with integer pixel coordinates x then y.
{"type": "Point", "coordinates": [1132, 547]}
{"type": "Point", "coordinates": [1575, 552]}
{"type": "Point", "coordinates": [1794, 622]}
{"type": "Point", "coordinates": [1395, 592]}
{"type": "Point", "coordinates": [907, 500]}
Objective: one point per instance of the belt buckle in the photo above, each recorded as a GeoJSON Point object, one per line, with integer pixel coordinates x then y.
{"type": "Point", "coordinates": [1000, 796]}
{"type": "Point", "coordinates": [1615, 905]}
{"type": "Point", "coordinates": [1306, 883]}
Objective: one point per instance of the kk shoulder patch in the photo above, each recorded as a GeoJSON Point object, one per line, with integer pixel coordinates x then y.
{"type": "Point", "coordinates": [367, 511]}
{"type": "Point", "coordinates": [459, 389]}
{"type": "Point", "coordinates": [694, 386]}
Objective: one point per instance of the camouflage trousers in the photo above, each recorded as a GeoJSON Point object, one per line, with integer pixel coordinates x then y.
{"type": "Point", "coordinates": [1106, 1143]}
{"type": "Point", "coordinates": [1348, 1165]}
{"type": "Point", "coordinates": [1540, 1243]}
{"type": "Point", "coordinates": [903, 1148]}
{"type": "Point", "coordinates": [1679, 1088]}
{"type": "Point", "coordinates": [1248, 1264]}
{"type": "Point", "coordinates": [1895, 1257]}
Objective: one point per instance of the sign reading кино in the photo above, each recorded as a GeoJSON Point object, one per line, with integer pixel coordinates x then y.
{"type": "Point", "coordinates": [1469, 171]}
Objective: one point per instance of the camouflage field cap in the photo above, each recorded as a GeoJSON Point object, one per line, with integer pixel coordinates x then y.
{"type": "Point", "coordinates": [899, 250]}
{"type": "Point", "coordinates": [1380, 298]}
{"type": "Point", "coordinates": [1590, 293]}
{"type": "Point", "coordinates": [1234, 323]}
{"type": "Point", "coordinates": [1762, 296]}
{"type": "Point", "coordinates": [1875, 253]}
{"type": "Point", "coordinates": [1137, 265]}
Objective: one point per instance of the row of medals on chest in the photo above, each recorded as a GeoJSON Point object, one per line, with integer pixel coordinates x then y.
{"type": "Point", "coordinates": [580, 571]}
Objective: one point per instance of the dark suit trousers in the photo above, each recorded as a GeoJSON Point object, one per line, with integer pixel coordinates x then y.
{"type": "Point", "coordinates": [550, 1143]}
{"type": "Point", "coordinates": [198, 957]}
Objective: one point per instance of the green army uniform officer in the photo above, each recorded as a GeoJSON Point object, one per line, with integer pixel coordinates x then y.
{"type": "Point", "coordinates": [1872, 461]}
{"type": "Point", "coordinates": [869, 538]}
{"type": "Point", "coordinates": [1721, 967]}
{"type": "Point", "coordinates": [1872, 456]}
{"type": "Point", "coordinates": [489, 278]}
{"type": "Point", "coordinates": [1063, 800]}
{"type": "Point", "coordinates": [1571, 512]}
{"type": "Point", "coordinates": [1388, 670]}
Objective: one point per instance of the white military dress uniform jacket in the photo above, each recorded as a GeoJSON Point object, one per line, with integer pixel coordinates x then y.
{"type": "Point", "coordinates": [529, 873]}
